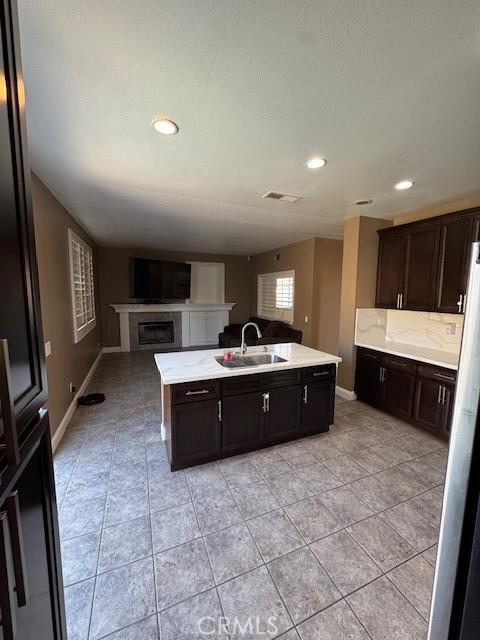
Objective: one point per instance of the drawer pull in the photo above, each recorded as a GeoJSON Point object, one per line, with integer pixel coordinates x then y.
{"type": "Point", "coordinates": [322, 373]}
{"type": "Point", "coordinates": [305, 394]}
{"type": "Point", "coordinates": [197, 393]}
{"type": "Point", "coordinates": [444, 377]}
{"type": "Point", "coordinates": [219, 414]}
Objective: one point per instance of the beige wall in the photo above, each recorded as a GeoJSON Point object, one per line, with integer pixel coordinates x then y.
{"type": "Point", "coordinates": [300, 257]}
{"type": "Point", "coordinates": [359, 272]}
{"type": "Point", "coordinates": [68, 362]}
{"type": "Point", "coordinates": [114, 279]}
{"type": "Point", "coordinates": [438, 209]}
{"type": "Point", "coordinates": [326, 294]}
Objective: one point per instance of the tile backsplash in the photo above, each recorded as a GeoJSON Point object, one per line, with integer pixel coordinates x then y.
{"type": "Point", "coordinates": [439, 331]}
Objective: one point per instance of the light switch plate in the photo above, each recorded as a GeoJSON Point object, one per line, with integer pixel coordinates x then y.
{"type": "Point", "coordinates": [48, 349]}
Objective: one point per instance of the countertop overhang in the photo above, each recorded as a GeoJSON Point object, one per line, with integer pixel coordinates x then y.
{"type": "Point", "coordinates": [188, 366]}
{"type": "Point", "coordinates": [436, 357]}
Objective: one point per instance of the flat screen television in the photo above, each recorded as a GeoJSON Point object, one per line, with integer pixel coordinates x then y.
{"type": "Point", "coordinates": [156, 280]}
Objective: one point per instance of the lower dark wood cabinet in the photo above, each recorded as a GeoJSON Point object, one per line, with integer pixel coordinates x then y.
{"type": "Point", "coordinates": [248, 413]}
{"type": "Point", "coordinates": [242, 421]}
{"type": "Point", "coordinates": [419, 393]}
{"type": "Point", "coordinates": [196, 432]}
{"type": "Point", "coordinates": [318, 407]}
{"type": "Point", "coordinates": [368, 378]}
{"type": "Point", "coordinates": [398, 392]}
{"type": "Point", "coordinates": [282, 418]}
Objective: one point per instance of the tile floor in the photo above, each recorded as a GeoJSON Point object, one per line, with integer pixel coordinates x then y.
{"type": "Point", "coordinates": [329, 537]}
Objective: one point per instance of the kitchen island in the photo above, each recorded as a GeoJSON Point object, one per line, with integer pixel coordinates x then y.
{"type": "Point", "coordinates": [213, 409]}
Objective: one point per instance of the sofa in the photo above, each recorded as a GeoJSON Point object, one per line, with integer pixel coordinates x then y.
{"type": "Point", "coordinates": [273, 332]}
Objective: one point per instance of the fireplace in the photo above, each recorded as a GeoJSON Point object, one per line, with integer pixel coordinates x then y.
{"type": "Point", "coordinates": [155, 332]}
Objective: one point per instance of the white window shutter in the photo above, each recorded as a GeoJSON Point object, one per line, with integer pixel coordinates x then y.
{"type": "Point", "coordinates": [82, 286]}
{"type": "Point", "coordinates": [275, 296]}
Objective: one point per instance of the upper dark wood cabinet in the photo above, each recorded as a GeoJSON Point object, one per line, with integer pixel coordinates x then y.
{"type": "Point", "coordinates": [421, 269]}
{"type": "Point", "coordinates": [392, 257]}
{"type": "Point", "coordinates": [423, 266]}
{"type": "Point", "coordinates": [456, 236]}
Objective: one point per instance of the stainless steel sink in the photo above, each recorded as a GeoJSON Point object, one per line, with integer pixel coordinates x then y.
{"type": "Point", "coordinates": [249, 360]}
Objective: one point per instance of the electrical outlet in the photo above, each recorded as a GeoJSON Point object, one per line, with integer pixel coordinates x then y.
{"type": "Point", "coordinates": [72, 387]}
{"type": "Point", "coordinates": [306, 319]}
{"type": "Point", "coordinates": [48, 349]}
{"type": "Point", "coordinates": [451, 329]}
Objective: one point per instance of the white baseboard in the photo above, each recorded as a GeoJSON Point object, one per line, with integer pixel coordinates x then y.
{"type": "Point", "coordinates": [162, 432]}
{"type": "Point", "coordinates": [62, 427]}
{"type": "Point", "coordinates": [345, 393]}
{"type": "Point", "coordinates": [111, 349]}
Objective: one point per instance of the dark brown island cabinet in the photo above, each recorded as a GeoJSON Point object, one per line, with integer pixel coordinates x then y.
{"type": "Point", "coordinates": [422, 266]}
{"type": "Point", "coordinates": [419, 393]}
{"type": "Point", "coordinates": [31, 591]}
{"type": "Point", "coordinates": [211, 419]}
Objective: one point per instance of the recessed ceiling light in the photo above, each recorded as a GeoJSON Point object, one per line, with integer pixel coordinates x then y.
{"type": "Point", "coordinates": [316, 163]}
{"type": "Point", "coordinates": [165, 126]}
{"type": "Point", "coordinates": [404, 184]}
{"type": "Point", "coordinates": [360, 203]}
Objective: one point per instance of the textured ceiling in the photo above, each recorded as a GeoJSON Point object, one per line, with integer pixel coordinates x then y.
{"type": "Point", "coordinates": [384, 89]}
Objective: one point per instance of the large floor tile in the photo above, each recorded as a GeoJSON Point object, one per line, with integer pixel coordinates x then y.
{"type": "Point", "coordinates": [238, 472]}
{"type": "Point", "coordinates": [417, 530]}
{"type": "Point", "coordinates": [345, 468]}
{"type": "Point", "coordinates": [312, 519]}
{"type": "Point", "coordinates": [79, 557]}
{"type": "Point", "coordinates": [274, 534]}
{"type": "Point", "coordinates": [269, 463]}
{"type": "Point", "coordinates": [78, 608]}
{"type": "Point", "coordinates": [319, 478]}
{"type": "Point", "coordinates": [205, 480]}
{"type": "Point", "coordinates": [335, 623]}
{"type": "Point", "coordinates": [429, 504]}
{"type": "Point", "coordinates": [217, 512]}
{"type": "Point", "coordinates": [144, 630]}
{"type": "Point", "coordinates": [349, 566]}
{"type": "Point", "coordinates": [415, 580]}
{"type": "Point", "coordinates": [89, 487]}
{"type": "Point", "coordinates": [232, 551]}
{"type": "Point", "coordinates": [173, 527]}
{"type": "Point", "coordinates": [123, 596]}
{"type": "Point", "coordinates": [78, 518]}
{"type": "Point", "coordinates": [253, 601]}
{"type": "Point", "coordinates": [288, 488]}
{"type": "Point", "coordinates": [382, 543]}
{"type": "Point", "coordinates": [182, 572]}
{"type": "Point", "coordinates": [376, 492]}
{"type": "Point", "coordinates": [255, 499]}
{"type": "Point", "coordinates": [345, 505]}
{"type": "Point", "coordinates": [168, 493]}
{"type": "Point", "coordinates": [297, 455]}
{"type": "Point", "coordinates": [431, 555]}
{"type": "Point", "coordinates": [303, 584]}
{"type": "Point", "coordinates": [124, 543]}
{"type": "Point", "coordinates": [125, 506]}
{"type": "Point", "coordinates": [198, 618]}
{"type": "Point", "coordinates": [386, 613]}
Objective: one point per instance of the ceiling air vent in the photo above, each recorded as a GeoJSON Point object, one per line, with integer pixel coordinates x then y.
{"type": "Point", "coordinates": [284, 197]}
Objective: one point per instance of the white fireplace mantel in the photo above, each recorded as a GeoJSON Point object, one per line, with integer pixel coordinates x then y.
{"type": "Point", "coordinates": [218, 311]}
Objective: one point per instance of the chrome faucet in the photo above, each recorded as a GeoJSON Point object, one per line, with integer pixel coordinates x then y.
{"type": "Point", "coordinates": [243, 344]}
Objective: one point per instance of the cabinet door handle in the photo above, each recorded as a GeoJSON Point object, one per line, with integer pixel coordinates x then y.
{"type": "Point", "coordinates": [444, 394]}
{"type": "Point", "coordinates": [401, 301]}
{"type": "Point", "coordinates": [268, 402]}
{"type": "Point", "coordinates": [7, 604]}
{"type": "Point", "coordinates": [305, 394]}
{"type": "Point", "coordinates": [16, 541]}
{"type": "Point", "coordinates": [197, 393]}
{"type": "Point", "coordinates": [398, 301]}
{"type": "Point", "coordinates": [219, 414]}
{"type": "Point", "coordinates": [264, 406]}
{"type": "Point", "coordinates": [6, 405]}
{"type": "Point", "coordinates": [439, 398]}
{"type": "Point", "coordinates": [460, 303]}
{"type": "Point", "coordinates": [444, 377]}
{"type": "Point", "coordinates": [380, 374]}
{"type": "Point", "coordinates": [464, 303]}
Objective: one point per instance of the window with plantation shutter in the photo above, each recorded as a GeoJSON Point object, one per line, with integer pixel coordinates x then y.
{"type": "Point", "coordinates": [82, 286]}
{"type": "Point", "coordinates": [275, 296]}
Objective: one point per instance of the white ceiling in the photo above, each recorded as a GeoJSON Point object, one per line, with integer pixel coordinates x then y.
{"type": "Point", "coordinates": [384, 89]}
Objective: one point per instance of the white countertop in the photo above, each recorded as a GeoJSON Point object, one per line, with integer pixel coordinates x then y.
{"type": "Point", "coordinates": [187, 366]}
{"type": "Point", "coordinates": [436, 357]}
